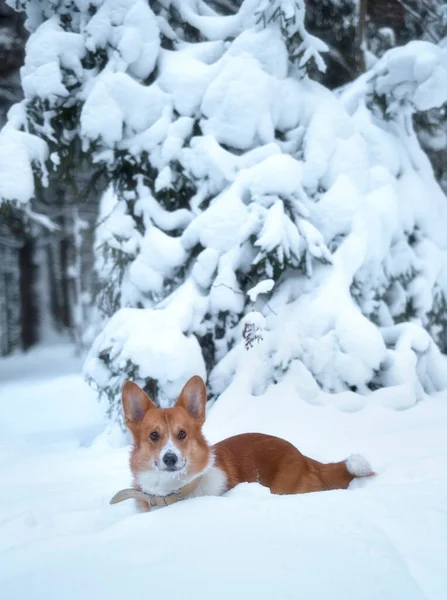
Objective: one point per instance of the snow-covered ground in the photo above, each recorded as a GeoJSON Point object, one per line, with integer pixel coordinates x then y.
{"type": "Point", "coordinates": [60, 539]}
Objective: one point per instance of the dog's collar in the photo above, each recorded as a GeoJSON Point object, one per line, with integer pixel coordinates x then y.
{"type": "Point", "coordinates": [156, 501]}
{"type": "Point", "coordinates": [173, 497]}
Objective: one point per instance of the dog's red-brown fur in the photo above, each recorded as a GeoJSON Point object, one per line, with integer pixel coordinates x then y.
{"type": "Point", "coordinates": [277, 464]}
{"type": "Point", "coordinates": [250, 457]}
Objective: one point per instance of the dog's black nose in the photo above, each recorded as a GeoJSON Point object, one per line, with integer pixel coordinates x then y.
{"type": "Point", "coordinates": [170, 459]}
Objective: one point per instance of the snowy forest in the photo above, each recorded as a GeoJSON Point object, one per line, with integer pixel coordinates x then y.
{"type": "Point", "coordinates": [252, 191]}
{"type": "Point", "coordinates": [181, 182]}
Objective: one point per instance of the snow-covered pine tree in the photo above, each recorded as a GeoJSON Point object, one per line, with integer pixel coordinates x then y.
{"type": "Point", "coordinates": [246, 199]}
{"type": "Point", "coordinates": [388, 23]}
{"type": "Point", "coordinates": [428, 20]}
{"type": "Point", "coordinates": [256, 194]}
{"type": "Point", "coordinates": [152, 254]}
{"type": "Point", "coordinates": [12, 43]}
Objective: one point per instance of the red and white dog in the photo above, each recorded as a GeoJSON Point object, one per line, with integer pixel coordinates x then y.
{"type": "Point", "coordinates": [171, 460]}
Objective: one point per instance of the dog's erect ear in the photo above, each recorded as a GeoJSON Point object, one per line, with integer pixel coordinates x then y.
{"type": "Point", "coordinates": [193, 398]}
{"type": "Point", "coordinates": [135, 402]}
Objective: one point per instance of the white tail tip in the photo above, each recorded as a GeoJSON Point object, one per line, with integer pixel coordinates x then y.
{"type": "Point", "coordinates": [358, 466]}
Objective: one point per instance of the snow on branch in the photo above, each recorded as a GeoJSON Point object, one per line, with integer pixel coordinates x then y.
{"type": "Point", "coordinates": [21, 154]}
{"type": "Point", "coordinates": [414, 75]}
{"type": "Point", "coordinates": [408, 78]}
{"type": "Point", "coordinates": [289, 14]}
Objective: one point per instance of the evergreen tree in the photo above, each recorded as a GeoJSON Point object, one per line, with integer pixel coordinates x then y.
{"type": "Point", "coordinates": [12, 43]}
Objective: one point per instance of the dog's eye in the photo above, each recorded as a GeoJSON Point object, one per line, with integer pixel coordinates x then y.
{"type": "Point", "coordinates": [181, 434]}
{"type": "Point", "coordinates": [155, 436]}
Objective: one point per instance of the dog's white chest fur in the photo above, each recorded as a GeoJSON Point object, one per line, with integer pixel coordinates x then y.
{"type": "Point", "coordinates": [213, 482]}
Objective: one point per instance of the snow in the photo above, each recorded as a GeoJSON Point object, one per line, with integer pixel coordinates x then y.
{"type": "Point", "coordinates": [129, 337]}
{"type": "Point", "coordinates": [268, 48]}
{"type": "Point", "coordinates": [215, 27]}
{"type": "Point", "coordinates": [117, 101]}
{"type": "Point", "coordinates": [60, 464]}
{"type": "Point", "coordinates": [225, 294]}
{"type": "Point", "coordinates": [186, 78]}
{"type": "Point", "coordinates": [263, 287]}
{"type": "Point", "coordinates": [417, 71]}
{"type": "Point", "coordinates": [159, 255]}
{"type": "Point", "coordinates": [51, 53]}
{"type": "Point", "coordinates": [278, 231]}
{"type": "Point", "coordinates": [167, 220]}
{"type": "Point", "coordinates": [277, 174]}
{"type": "Point", "coordinates": [219, 226]}
{"type": "Point", "coordinates": [128, 30]}
{"type": "Point", "coordinates": [19, 151]}
{"type": "Point", "coordinates": [237, 104]}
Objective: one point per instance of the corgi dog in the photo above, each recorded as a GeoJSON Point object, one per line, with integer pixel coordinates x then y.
{"type": "Point", "coordinates": [170, 459]}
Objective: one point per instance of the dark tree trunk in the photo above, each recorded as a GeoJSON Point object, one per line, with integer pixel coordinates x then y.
{"type": "Point", "coordinates": [65, 313]}
{"type": "Point", "coordinates": [55, 296]}
{"type": "Point", "coordinates": [29, 308]}
{"type": "Point", "coordinates": [360, 36]}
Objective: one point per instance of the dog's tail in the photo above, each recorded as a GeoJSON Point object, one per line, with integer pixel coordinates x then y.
{"type": "Point", "coordinates": [358, 466]}
{"type": "Point", "coordinates": [339, 475]}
